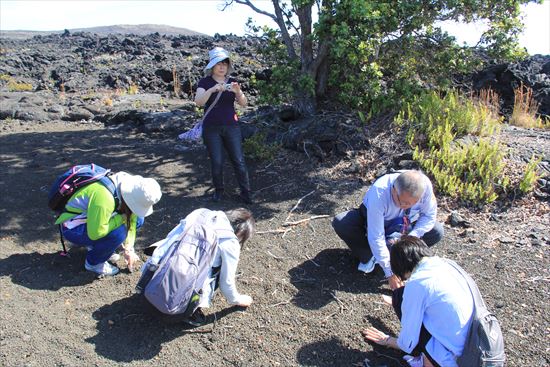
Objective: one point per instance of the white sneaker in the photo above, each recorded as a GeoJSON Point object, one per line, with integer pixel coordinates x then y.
{"type": "Point", "coordinates": [367, 267]}
{"type": "Point", "coordinates": [114, 257]}
{"type": "Point", "coordinates": [414, 361]}
{"type": "Point", "coordinates": [103, 268]}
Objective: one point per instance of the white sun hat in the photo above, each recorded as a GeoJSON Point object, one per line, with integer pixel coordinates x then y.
{"type": "Point", "coordinates": [140, 194]}
{"type": "Point", "coordinates": [216, 55]}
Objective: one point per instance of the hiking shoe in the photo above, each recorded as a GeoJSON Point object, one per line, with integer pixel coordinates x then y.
{"type": "Point", "coordinates": [414, 361]}
{"type": "Point", "coordinates": [218, 196]}
{"type": "Point", "coordinates": [103, 268]}
{"type": "Point", "coordinates": [197, 318]}
{"type": "Point", "coordinates": [367, 267]}
{"type": "Point", "coordinates": [114, 258]}
{"type": "Point", "coordinates": [245, 197]}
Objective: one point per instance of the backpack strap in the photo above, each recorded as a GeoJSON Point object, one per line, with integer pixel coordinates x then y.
{"type": "Point", "coordinates": [110, 185]}
{"type": "Point", "coordinates": [479, 304]}
{"type": "Point", "coordinates": [215, 101]}
{"type": "Point", "coordinates": [64, 252]}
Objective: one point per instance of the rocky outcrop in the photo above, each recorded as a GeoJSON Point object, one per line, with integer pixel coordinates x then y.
{"type": "Point", "coordinates": [533, 72]}
{"type": "Point", "coordinates": [82, 62]}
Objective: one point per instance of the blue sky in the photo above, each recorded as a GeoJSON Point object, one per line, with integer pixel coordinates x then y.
{"type": "Point", "coordinates": [205, 16]}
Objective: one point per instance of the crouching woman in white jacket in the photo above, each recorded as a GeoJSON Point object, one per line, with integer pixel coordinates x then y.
{"type": "Point", "coordinates": [231, 229]}
{"type": "Point", "coordinates": [232, 234]}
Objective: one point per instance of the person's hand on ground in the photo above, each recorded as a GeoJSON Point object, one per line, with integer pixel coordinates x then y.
{"type": "Point", "coordinates": [374, 335]}
{"type": "Point", "coordinates": [395, 282]}
{"type": "Point", "coordinates": [387, 300]}
{"type": "Point", "coordinates": [131, 259]}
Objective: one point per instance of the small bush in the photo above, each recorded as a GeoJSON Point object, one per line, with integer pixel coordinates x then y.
{"type": "Point", "coordinates": [453, 138]}
{"type": "Point", "coordinates": [256, 147]}
{"type": "Point", "coordinates": [530, 175]}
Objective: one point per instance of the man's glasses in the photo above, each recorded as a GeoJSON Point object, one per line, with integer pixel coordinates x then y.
{"type": "Point", "coordinates": [403, 203]}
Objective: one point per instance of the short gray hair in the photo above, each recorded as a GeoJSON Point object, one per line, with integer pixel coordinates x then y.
{"type": "Point", "coordinates": [411, 182]}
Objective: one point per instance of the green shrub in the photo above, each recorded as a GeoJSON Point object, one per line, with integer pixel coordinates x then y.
{"type": "Point", "coordinates": [455, 140]}
{"type": "Point", "coordinates": [530, 175]}
{"type": "Point", "coordinates": [256, 147]}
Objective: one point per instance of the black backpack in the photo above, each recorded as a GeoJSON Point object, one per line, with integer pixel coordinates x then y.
{"type": "Point", "coordinates": [73, 179]}
{"type": "Point", "coordinates": [484, 343]}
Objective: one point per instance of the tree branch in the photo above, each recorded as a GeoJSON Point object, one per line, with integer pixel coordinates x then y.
{"type": "Point", "coordinates": [284, 32]}
{"type": "Point", "coordinates": [259, 11]}
{"type": "Point", "coordinates": [278, 18]}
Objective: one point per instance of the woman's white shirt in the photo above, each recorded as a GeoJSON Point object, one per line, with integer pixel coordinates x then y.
{"type": "Point", "coordinates": [438, 296]}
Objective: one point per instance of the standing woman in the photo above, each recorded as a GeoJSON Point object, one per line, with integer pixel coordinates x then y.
{"type": "Point", "coordinates": [220, 126]}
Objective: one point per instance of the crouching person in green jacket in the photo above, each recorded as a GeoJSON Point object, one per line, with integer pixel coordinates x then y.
{"type": "Point", "coordinates": [92, 219]}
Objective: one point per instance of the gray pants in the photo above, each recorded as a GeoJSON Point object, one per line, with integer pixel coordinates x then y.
{"type": "Point", "coordinates": [351, 227]}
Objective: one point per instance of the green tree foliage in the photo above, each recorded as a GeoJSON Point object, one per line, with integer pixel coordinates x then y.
{"type": "Point", "coordinates": [373, 54]}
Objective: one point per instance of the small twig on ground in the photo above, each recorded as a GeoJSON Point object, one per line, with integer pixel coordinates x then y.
{"type": "Point", "coordinates": [200, 331]}
{"type": "Point", "coordinates": [314, 263]}
{"type": "Point", "coordinates": [268, 187]}
{"type": "Point", "coordinates": [340, 303]}
{"type": "Point", "coordinates": [329, 316]}
{"type": "Point", "coordinates": [387, 356]}
{"type": "Point", "coordinates": [274, 256]}
{"type": "Point", "coordinates": [284, 234]}
{"type": "Point", "coordinates": [297, 204]}
{"type": "Point", "coordinates": [305, 151]}
{"type": "Point", "coordinates": [286, 224]}
{"type": "Point", "coordinates": [215, 322]}
{"type": "Point", "coordinates": [537, 278]}
{"type": "Point", "coordinates": [272, 231]}
{"type": "Point", "coordinates": [130, 315]}
{"type": "Point", "coordinates": [281, 303]}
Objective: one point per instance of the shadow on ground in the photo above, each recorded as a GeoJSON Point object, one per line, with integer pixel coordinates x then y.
{"type": "Point", "coordinates": [49, 271]}
{"type": "Point", "coordinates": [330, 271]}
{"type": "Point", "coordinates": [32, 161]}
{"type": "Point", "coordinates": [130, 329]}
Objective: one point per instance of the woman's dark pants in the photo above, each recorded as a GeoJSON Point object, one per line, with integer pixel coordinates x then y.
{"type": "Point", "coordinates": [218, 138]}
{"type": "Point", "coordinates": [425, 336]}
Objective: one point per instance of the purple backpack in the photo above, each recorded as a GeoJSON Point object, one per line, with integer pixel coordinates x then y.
{"type": "Point", "coordinates": [176, 285]}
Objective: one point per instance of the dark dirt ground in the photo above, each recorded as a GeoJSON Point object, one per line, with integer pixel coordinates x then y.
{"type": "Point", "coordinates": [310, 301]}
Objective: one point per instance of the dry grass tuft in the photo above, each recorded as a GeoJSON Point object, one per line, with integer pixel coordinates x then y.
{"type": "Point", "coordinates": [525, 109]}
{"type": "Point", "coordinates": [175, 78]}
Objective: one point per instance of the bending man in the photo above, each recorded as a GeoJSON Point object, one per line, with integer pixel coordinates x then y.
{"type": "Point", "coordinates": [396, 204]}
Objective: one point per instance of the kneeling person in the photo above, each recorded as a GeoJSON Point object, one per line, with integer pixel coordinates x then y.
{"type": "Point", "coordinates": [396, 204]}
{"type": "Point", "coordinates": [435, 307]}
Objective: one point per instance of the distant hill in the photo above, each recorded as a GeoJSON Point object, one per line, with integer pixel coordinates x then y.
{"type": "Point", "coordinates": [138, 29]}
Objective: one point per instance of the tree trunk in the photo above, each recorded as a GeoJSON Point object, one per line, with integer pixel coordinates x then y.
{"type": "Point", "coordinates": [305, 104]}
{"type": "Point", "coordinates": [322, 79]}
